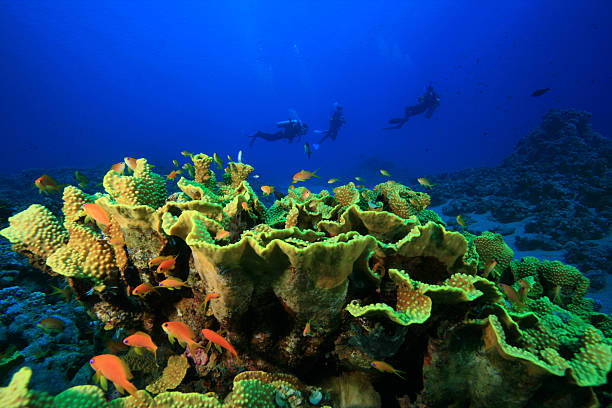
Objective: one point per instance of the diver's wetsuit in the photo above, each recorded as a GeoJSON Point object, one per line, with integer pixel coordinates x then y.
{"type": "Point", "coordinates": [427, 104]}
{"type": "Point", "coordinates": [336, 121]}
{"type": "Point", "coordinates": [289, 130]}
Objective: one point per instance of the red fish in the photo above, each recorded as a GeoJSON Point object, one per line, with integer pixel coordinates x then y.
{"type": "Point", "coordinates": [131, 162]}
{"type": "Point", "coordinates": [47, 185]}
{"type": "Point", "coordinates": [306, 331]}
{"type": "Point", "coordinates": [510, 293]}
{"type": "Point", "coordinates": [303, 175]}
{"type": "Point", "coordinates": [524, 288]}
{"type": "Point", "coordinates": [159, 259]}
{"type": "Point", "coordinates": [172, 283]}
{"type": "Point", "coordinates": [166, 265]}
{"type": "Point", "coordinates": [183, 333]}
{"type": "Point", "coordinates": [118, 167]}
{"type": "Point", "coordinates": [172, 175]}
{"type": "Point", "coordinates": [221, 235]}
{"type": "Point", "coordinates": [207, 299]}
{"type": "Point", "coordinates": [97, 213]}
{"type": "Point", "coordinates": [52, 324]}
{"type": "Point", "coordinates": [387, 368]}
{"type": "Point", "coordinates": [140, 341]}
{"type": "Point", "coordinates": [142, 289]}
{"type": "Point", "coordinates": [489, 268]}
{"type": "Point", "coordinates": [217, 339]}
{"type": "Point", "coordinates": [112, 368]}
{"type": "Point", "coordinates": [305, 194]}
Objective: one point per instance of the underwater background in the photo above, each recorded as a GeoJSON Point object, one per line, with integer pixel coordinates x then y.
{"type": "Point", "coordinates": [379, 267]}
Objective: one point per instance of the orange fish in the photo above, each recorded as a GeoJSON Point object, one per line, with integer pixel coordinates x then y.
{"type": "Point", "coordinates": [112, 368]}
{"type": "Point", "coordinates": [131, 162]}
{"type": "Point", "coordinates": [142, 289]}
{"type": "Point", "coordinates": [207, 299]}
{"type": "Point", "coordinates": [306, 331]}
{"type": "Point", "coordinates": [303, 175]}
{"type": "Point", "coordinates": [424, 182]}
{"type": "Point", "coordinates": [172, 175]}
{"type": "Point", "coordinates": [222, 234]}
{"type": "Point", "coordinates": [183, 333]}
{"type": "Point", "coordinates": [489, 268]}
{"type": "Point", "coordinates": [524, 288]}
{"type": "Point", "coordinates": [245, 206]}
{"type": "Point", "coordinates": [267, 190]}
{"type": "Point", "coordinates": [386, 368]}
{"type": "Point", "coordinates": [461, 221]}
{"type": "Point", "coordinates": [118, 167]}
{"type": "Point", "coordinates": [52, 324]}
{"type": "Point", "coordinates": [97, 213]}
{"type": "Point", "coordinates": [172, 283]}
{"type": "Point", "coordinates": [140, 341]}
{"type": "Point", "coordinates": [510, 293]}
{"type": "Point", "coordinates": [166, 265]}
{"type": "Point", "coordinates": [159, 259]}
{"type": "Point", "coordinates": [217, 339]}
{"type": "Point", "coordinates": [115, 346]}
{"type": "Point", "coordinates": [66, 292]}
{"type": "Point", "coordinates": [47, 185]}
{"type": "Point", "coordinates": [305, 195]}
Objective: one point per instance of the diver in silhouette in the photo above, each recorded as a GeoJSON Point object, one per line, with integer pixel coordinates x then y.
{"type": "Point", "coordinates": [427, 104]}
{"type": "Point", "coordinates": [336, 121]}
{"type": "Point", "coordinates": [289, 129]}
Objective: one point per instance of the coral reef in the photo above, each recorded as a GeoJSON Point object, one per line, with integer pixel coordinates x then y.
{"type": "Point", "coordinates": [366, 288]}
{"type": "Point", "coordinates": [560, 176]}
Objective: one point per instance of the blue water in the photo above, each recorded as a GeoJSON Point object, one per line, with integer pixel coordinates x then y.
{"type": "Point", "coordinates": [86, 83]}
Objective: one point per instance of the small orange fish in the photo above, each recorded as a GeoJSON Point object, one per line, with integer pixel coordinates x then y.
{"type": "Point", "coordinates": [524, 288]}
{"type": "Point", "coordinates": [245, 206]}
{"type": "Point", "coordinates": [97, 213]}
{"type": "Point", "coordinates": [267, 190]}
{"type": "Point", "coordinates": [131, 162]}
{"type": "Point", "coordinates": [183, 333]}
{"type": "Point", "coordinates": [142, 289]}
{"type": "Point", "coordinates": [172, 283]}
{"type": "Point", "coordinates": [47, 185]}
{"type": "Point", "coordinates": [306, 331]}
{"type": "Point", "coordinates": [489, 268]}
{"type": "Point", "coordinates": [159, 259]}
{"type": "Point", "coordinates": [172, 175]}
{"type": "Point", "coordinates": [510, 293]}
{"type": "Point", "coordinates": [118, 167]}
{"type": "Point", "coordinates": [207, 299]}
{"type": "Point", "coordinates": [305, 195]}
{"type": "Point", "coordinates": [424, 182]}
{"type": "Point", "coordinates": [66, 292]}
{"type": "Point", "coordinates": [115, 346]}
{"type": "Point", "coordinates": [387, 368]}
{"type": "Point", "coordinates": [112, 368]}
{"type": "Point", "coordinates": [141, 340]}
{"type": "Point", "coordinates": [52, 324]}
{"type": "Point", "coordinates": [303, 175]}
{"type": "Point", "coordinates": [222, 234]}
{"type": "Point", "coordinates": [217, 339]}
{"type": "Point", "coordinates": [166, 265]}
{"type": "Point", "coordinates": [461, 221]}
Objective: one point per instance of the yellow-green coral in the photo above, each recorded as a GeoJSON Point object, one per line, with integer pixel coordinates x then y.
{"type": "Point", "coordinates": [491, 246]}
{"type": "Point", "coordinates": [144, 187]}
{"type": "Point", "coordinates": [87, 255]}
{"type": "Point", "coordinates": [36, 230]}
{"type": "Point", "coordinates": [172, 376]}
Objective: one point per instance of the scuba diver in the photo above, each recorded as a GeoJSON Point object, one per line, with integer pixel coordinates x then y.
{"type": "Point", "coordinates": [427, 104]}
{"type": "Point", "coordinates": [289, 130]}
{"type": "Point", "coordinates": [336, 121]}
